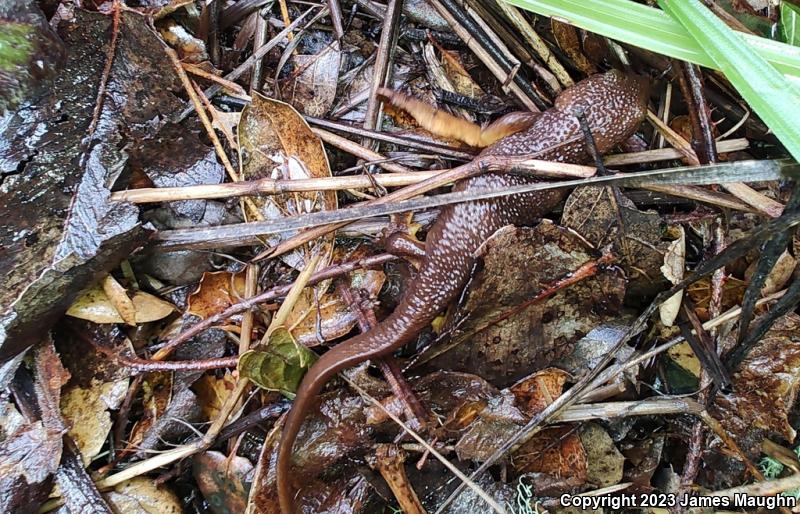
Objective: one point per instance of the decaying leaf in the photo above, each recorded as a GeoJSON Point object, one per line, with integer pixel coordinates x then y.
{"type": "Point", "coordinates": [555, 451]}
{"type": "Point", "coordinates": [211, 393]}
{"type": "Point", "coordinates": [275, 142]}
{"type": "Point", "coordinates": [684, 357]}
{"type": "Point", "coordinates": [334, 429]}
{"type": "Point", "coordinates": [674, 264]}
{"type": "Point", "coordinates": [97, 386]}
{"type": "Point", "coordinates": [604, 461]}
{"type": "Point", "coordinates": [493, 338]}
{"type": "Point", "coordinates": [30, 449]}
{"type": "Point", "coordinates": [119, 299]}
{"type": "Point", "coordinates": [141, 495]}
{"type": "Point", "coordinates": [94, 305]}
{"type": "Point", "coordinates": [780, 274]}
{"type": "Point", "coordinates": [596, 212]}
{"type": "Point", "coordinates": [216, 292]}
{"type": "Point", "coordinates": [567, 37]}
{"type": "Point", "coordinates": [318, 317]}
{"type": "Point", "coordinates": [312, 87]}
{"type": "Point", "coordinates": [223, 480]}
{"type": "Point", "coordinates": [765, 384]}
{"type": "Point", "coordinates": [279, 365]}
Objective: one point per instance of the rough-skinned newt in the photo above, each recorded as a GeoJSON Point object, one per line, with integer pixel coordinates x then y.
{"type": "Point", "coordinates": [613, 103]}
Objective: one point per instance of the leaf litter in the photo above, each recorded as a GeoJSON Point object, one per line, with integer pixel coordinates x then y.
{"type": "Point", "coordinates": [545, 306]}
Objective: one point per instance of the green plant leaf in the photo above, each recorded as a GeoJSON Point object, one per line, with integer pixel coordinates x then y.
{"type": "Point", "coordinates": [654, 30]}
{"type": "Point", "coordinates": [766, 90]}
{"type": "Point", "coordinates": [790, 23]}
{"type": "Point", "coordinates": [279, 366]}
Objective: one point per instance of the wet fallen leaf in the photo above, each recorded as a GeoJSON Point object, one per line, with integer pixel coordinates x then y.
{"type": "Point", "coordinates": [279, 365]}
{"type": "Point", "coordinates": [224, 481]}
{"type": "Point", "coordinates": [328, 315]}
{"type": "Point", "coordinates": [493, 338]}
{"type": "Point", "coordinates": [555, 451]}
{"type": "Point", "coordinates": [645, 456]}
{"type": "Point", "coordinates": [700, 293]}
{"type": "Point", "coordinates": [142, 496]}
{"type": "Point", "coordinates": [334, 429]}
{"type": "Point", "coordinates": [97, 386]}
{"type": "Point", "coordinates": [604, 461]}
{"type": "Point", "coordinates": [276, 142]}
{"type": "Point", "coordinates": [94, 305]}
{"type": "Point", "coordinates": [674, 264]}
{"type": "Point", "coordinates": [30, 450]}
{"type": "Point", "coordinates": [593, 347]}
{"type": "Point", "coordinates": [118, 297]}
{"type": "Point", "coordinates": [539, 390]}
{"type": "Point", "coordinates": [684, 357]}
{"type": "Point", "coordinates": [779, 275]}
{"type": "Point", "coordinates": [216, 292]}
{"type": "Point", "coordinates": [211, 393]}
{"type": "Point", "coordinates": [459, 76]}
{"type": "Point", "coordinates": [312, 87]}
{"type": "Point", "coordinates": [765, 384]}
{"type": "Point", "coordinates": [595, 213]}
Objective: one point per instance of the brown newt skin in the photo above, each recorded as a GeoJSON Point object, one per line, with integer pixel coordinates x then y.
{"type": "Point", "coordinates": [614, 105]}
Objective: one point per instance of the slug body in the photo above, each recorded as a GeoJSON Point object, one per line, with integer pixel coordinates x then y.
{"type": "Point", "coordinates": [613, 103]}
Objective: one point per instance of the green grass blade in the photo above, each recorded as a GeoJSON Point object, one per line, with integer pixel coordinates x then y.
{"type": "Point", "coordinates": [790, 24]}
{"type": "Point", "coordinates": [766, 90]}
{"type": "Point", "coordinates": [654, 30]}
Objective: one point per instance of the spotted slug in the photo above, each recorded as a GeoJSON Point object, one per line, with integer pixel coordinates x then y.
{"type": "Point", "coordinates": [614, 105]}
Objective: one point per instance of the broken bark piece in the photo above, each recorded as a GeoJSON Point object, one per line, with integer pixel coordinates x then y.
{"type": "Point", "coordinates": [60, 232]}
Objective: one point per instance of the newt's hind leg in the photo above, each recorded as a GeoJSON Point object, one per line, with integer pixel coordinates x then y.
{"type": "Point", "coordinates": [399, 238]}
